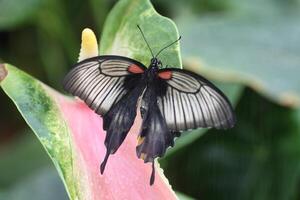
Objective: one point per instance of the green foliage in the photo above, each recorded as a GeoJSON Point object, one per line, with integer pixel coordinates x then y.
{"type": "Point", "coordinates": [14, 13]}
{"type": "Point", "coordinates": [183, 196]}
{"type": "Point", "coordinates": [25, 169]}
{"type": "Point", "coordinates": [258, 47]}
{"type": "Point", "coordinates": [26, 150]}
{"type": "Point", "coordinates": [122, 37]}
{"type": "Point", "coordinates": [42, 114]}
{"type": "Point", "coordinates": [44, 183]}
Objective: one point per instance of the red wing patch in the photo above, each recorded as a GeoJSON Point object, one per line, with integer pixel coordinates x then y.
{"type": "Point", "coordinates": [135, 69]}
{"type": "Point", "coordinates": [165, 75]}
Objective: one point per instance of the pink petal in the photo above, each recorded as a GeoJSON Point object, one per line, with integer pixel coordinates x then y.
{"type": "Point", "coordinates": [125, 176]}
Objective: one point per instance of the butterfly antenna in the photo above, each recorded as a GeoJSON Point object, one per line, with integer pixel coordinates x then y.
{"type": "Point", "coordinates": [145, 40]}
{"type": "Point", "coordinates": [168, 46]}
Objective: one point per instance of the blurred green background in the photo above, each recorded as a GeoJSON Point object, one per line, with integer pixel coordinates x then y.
{"type": "Point", "coordinates": [251, 49]}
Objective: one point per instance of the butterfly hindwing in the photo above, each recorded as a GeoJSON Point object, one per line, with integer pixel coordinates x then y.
{"type": "Point", "coordinates": [190, 101]}
{"type": "Point", "coordinates": [103, 80]}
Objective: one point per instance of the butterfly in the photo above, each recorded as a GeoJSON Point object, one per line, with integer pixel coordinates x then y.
{"type": "Point", "coordinates": [171, 100]}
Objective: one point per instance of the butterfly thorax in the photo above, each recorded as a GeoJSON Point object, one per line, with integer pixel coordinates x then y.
{"type": "Point", "coordinates": [151, 73]}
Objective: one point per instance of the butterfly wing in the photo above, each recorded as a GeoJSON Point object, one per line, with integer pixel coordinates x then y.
{"type": "Point", "coordinates": [103, 80]}
{"type": "Point", "coordinates": [190, 101]}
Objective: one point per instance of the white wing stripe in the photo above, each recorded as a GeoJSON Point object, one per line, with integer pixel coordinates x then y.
{"type": "Point", "coordinates": [195, 107]}
{"type": "Point", "coordinates": [180, 86]}
{"type": "Point", "coordinates": [81, 79]}
{"type": "Point", "coordinates": [184, 82]}
{"type": "Point", "coordinates": [98, 98]}
{"type": "Point", "coordinates": [220, 107]}
{"type": "Point", "coordinates": [220, 122]}
{"type": "Point", "coordinates": [173, 107]}
{"type": "Point", "coordinates": [80, 86]}
{"type": "Point", "coordinates": [108, 96]}
{"type": "Point", "coordinates": [187, 84]}
{"type": "Point", "coordinates": [115, 72]}
{"type": "Point", "coordinates": [221, 110]}
{"type": "Point", "coordinates": [98, 88]}
{"type": "Point", "coordinates": [211, 109]}
{"type": "Point", "coordinates": [188, 111]}
{"type": "Point", "coordinates": [179, 111]}
{"type": "Point", "coordinates": [224, 103]}
{"type": "Point", "coordinates": [92, 78]}
{"type": "Point", "coordinates": [184, 77]}
{"type": "Point", "coordinates": [92, 87]}
{"type": "Point", "coordinates": [71, 77]}
{"type": "Point", "coordinates": [205, 109]}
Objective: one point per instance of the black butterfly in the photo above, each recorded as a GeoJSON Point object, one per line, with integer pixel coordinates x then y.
{"type": "Point", "coordinates": [172, 100]}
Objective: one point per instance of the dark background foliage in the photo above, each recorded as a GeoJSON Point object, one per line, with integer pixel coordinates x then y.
{"type": "Point", "coordinates": [255, 40]}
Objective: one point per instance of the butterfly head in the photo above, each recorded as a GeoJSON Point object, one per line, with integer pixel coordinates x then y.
{"type": "Point", "coordinates": [155, 63]}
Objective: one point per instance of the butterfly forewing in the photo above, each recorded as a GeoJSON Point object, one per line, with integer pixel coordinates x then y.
{"type": "Point", "coordinates": [103, 80]}
{"type": "Point", "coordinates": [190, 102]}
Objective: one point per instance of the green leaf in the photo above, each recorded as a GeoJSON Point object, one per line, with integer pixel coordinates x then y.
{"type": "Point", "coordinates": [257, 46]}
{"type": "Point", "coordinates": [122, 37]}
{"type": "Point", "coordinates": [42, 114]}
{"type": "Point", "coordinates": [44, 184]}
{"type": "Point", "coordinates": [99, 16]}
{"type": "Point", "coordinates": [16, 12]}
{"type": "Point", "coordinates": [25, 150]}
{"type": "Point", "coordinates": [182, 196]}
